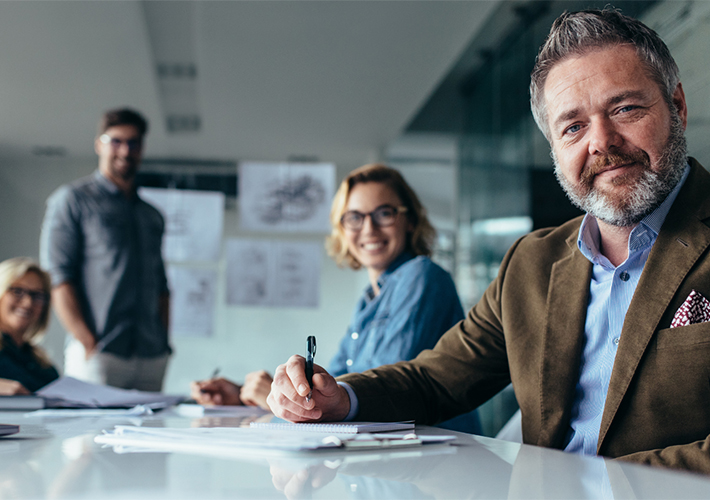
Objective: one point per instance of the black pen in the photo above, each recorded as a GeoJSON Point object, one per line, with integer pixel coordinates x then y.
{"type": "Point", "coordinates": [212, 377]}
{"type": "Point", "coordinates": [310, 355]}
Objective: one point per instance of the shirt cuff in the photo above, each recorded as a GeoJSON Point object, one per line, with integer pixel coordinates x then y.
{"type": "Point", "coordinates": [354, 407]}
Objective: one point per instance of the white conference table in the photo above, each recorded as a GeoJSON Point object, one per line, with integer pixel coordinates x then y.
{"type": "Point", "coordinates": [58, 458]}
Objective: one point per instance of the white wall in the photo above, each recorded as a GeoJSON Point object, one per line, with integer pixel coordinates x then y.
{"type": "Point", "coordinates": [245, 338]}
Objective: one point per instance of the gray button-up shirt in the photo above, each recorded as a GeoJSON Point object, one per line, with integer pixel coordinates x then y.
{"type": "Point", "coordinates": [108, 247]}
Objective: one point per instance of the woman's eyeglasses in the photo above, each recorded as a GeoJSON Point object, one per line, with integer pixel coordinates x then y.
{"type": "Point", "coordinates": [383, 216]}
{"type": "Point", "coordinates": [35, 296]}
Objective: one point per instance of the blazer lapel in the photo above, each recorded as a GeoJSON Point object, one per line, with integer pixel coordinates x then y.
{"type": "Point", "coordinates": [681, 242]}
{"type": "Point", "coordinates": [567, 300]}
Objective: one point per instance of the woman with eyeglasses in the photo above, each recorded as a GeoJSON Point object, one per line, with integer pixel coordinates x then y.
{"type": "Point", "coordinates": [24, 315]}
{"type": "Point", "coordinates": [378, 224]}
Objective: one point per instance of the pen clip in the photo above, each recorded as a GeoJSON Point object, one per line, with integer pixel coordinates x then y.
{"type": "Point", "coordinates": [311, 347]}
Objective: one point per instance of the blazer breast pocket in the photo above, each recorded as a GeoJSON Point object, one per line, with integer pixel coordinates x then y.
{"type": "Point", "coordinates": [684, 337]}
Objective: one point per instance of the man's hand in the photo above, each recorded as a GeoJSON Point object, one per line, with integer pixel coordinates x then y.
{"type": "Point", "coordinates": [215, 392]}
{"type": "Point", "coordinates": [66, 304]}
{"type": "Point", "coordinates": [256, 388]}
{"type": "Point", "coordinates": [12, 388]}
{"type": "Point", "coordinates": [287, 398]}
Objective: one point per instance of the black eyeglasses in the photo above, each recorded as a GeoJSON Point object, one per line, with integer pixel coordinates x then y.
{"type": "Point", "coordinates": [382, 216]}
{"type": "Point", "coordinates": [35, 296]}
{"type": "Point", "coordinates": [115, 143]}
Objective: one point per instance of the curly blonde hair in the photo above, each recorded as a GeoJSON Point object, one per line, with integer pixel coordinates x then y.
{"type": "Point", "coordinates": [420, 240]}
{"type": "Point", "coordinates": [10, 271]}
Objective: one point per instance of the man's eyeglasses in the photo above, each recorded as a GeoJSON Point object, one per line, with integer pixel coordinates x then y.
{"type": "Point", "coordinates": [383, 216]}
{"type": "Point", "coordinates": [115, 143]}
{"type": "Point", "coordinates": [35, 296]}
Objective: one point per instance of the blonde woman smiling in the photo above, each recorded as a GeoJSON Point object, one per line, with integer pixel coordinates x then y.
{"type": "Point", "coordinates": [378, 224]}
{"type": "Point", "coordinates": [24, 315]}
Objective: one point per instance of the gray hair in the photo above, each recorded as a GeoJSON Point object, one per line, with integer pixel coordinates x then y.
{"type": "Point", "coordinates": [576, 33]}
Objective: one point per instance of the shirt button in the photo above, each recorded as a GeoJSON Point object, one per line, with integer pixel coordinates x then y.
{"type": "Point", "coordinates": [624, 276]}
{"type": "Point", "coordinates": [354, 335]}
{"type": "Point", "coordinates": [616, 341]}
{"type": "Point", "coordinates": [349, 362]}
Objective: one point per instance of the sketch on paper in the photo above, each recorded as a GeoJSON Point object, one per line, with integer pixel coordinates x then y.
{"type": "Point", "coordinates": [292, 197]}
{"type": "Point", "coordinates": [192, 301]}
{"type": "Point", "coordinates": [273, 273]}
{"type": "Point", "coordinates": [193, 222]}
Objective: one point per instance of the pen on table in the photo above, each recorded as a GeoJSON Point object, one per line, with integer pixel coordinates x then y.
{"type": "Point", "coordinates": [310, 355]}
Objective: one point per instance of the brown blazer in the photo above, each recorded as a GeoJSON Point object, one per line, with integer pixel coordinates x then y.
{"type": "Point", "coordinates": [529, 329]}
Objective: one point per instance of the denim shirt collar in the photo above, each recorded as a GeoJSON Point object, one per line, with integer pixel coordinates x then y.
{"type": "Point", "coordinates": [643, 235]}
{"type": "Point", "coordinates": [405, 256]}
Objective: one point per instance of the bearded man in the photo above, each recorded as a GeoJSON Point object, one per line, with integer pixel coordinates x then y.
{"type": "Point", "coordinates": [601, 324]}
{"type": "Point", "coordinates": [101, 244]}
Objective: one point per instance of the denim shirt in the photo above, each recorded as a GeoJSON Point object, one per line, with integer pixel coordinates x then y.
{"type": "Point", "coordinates": [417, 303]}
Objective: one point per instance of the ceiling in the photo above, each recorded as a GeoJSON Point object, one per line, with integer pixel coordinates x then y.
{"type": "Point", "coordinates": [271, 80]}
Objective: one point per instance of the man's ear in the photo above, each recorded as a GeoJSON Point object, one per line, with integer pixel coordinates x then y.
{"type": "Point", "coordinates": [680, 106]}
{"type": "Point", "coordinates": [97, 146]}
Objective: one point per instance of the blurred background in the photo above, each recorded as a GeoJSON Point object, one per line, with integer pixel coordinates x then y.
{"type": "Point", "coordinates": [437, 89]}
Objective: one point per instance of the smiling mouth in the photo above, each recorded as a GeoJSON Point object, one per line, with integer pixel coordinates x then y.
{"type": "Point", "coordinates": [23, 314]}
{"type": "Point", "coordinates": [373, 246]}
{"type": "Point", "coordinates": [611, 168]}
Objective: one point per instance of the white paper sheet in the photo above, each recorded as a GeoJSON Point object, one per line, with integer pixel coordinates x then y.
{"type": "Point", "coordinates": [230, 441]}
{"type": "Point", "coordinates": [212, 440]}
{"type": "Point", "coordinates": [136, 411]}
{"type": "Point", "coordinates": [195, 410]}
{"type": "Point", "coordinates": [273, 273]}
{"type": "Point", "coordinates": [285, 197]}
{"type": "Point", "coordinates": [193, 222]}
{"type": "Point", "coordinates": [192, 301]}
{"type": "Point", "coordinates": [73, 392]}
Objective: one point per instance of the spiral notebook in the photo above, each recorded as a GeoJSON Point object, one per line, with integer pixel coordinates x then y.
{"type": "Point", "coordinates": [336, 427]}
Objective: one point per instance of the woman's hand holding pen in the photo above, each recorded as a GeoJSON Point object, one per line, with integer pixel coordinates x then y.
{"type": "Point", "coordinates": [329, 401]}
{"type": "Point", "coordinates": [256, 388]}
{"type": "Point", "coordinates": [215, 391]}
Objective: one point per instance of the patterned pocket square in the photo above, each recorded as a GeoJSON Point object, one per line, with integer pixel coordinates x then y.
{"type": "Point", "coordinates": [695, 309]}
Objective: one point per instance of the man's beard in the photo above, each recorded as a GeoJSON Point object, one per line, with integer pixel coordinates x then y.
{"type": "Point", "coordinates": [645, 193]}
{"type": "Point", "coordinates": [126, 172]}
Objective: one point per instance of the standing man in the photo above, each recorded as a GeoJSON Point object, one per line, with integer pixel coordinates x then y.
{"type": "Point", "coordinates": [601, 324]}
{"type": "Point", "coordinates": [101, 244]}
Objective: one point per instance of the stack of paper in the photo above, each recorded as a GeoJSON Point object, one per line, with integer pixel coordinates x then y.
{"type": "Point", "coordinates": [68, 392]}
{"type": "Point", "coordinates": [231, 441]}
{"type": "Point", "coordinates": [336, 427]}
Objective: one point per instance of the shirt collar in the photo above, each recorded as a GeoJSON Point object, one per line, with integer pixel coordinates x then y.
{"type": "Point", "coordinates": [403, 257]}
{"type": "Point", "coordinates": [643, 234]}
{"type": "Point", "coordinates": [109, 186]}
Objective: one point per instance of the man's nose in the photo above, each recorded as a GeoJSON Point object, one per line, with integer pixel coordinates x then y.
{"type": "Point", "coordinates": [604, 137]}
{"type": "Point", "coordinates": [124, 149]}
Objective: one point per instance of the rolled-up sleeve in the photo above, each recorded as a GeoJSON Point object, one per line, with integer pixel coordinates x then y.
{"type": "Point", "coordinates": [61, 237]}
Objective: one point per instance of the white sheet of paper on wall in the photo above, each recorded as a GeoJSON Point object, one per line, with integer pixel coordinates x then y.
{"type": "Point", "coordinates": [193, 222]}
{"type": "Point", "coordinates": [273, 273]}
{"type": "Point", "coordinates": [192, 301]}
{"type": "Point", "coordinates": [285, 197]}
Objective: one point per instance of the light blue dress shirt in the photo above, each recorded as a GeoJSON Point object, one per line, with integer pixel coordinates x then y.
{"type": "Point", "coordinates": [610, 292]}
